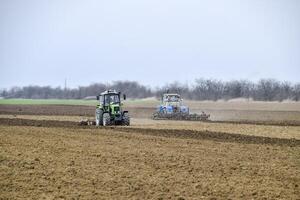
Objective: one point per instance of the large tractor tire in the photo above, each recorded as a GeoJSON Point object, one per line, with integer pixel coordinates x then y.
{"type": "Point", "coordinates": [106, 119]}
{"type": "Point", "coordinates": [126, 119]}
{"type": "Point", "coordinates": [98, 117]}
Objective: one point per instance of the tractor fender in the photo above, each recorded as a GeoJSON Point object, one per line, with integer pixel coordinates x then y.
{"type": "Point", "coordinates": [99, 110]}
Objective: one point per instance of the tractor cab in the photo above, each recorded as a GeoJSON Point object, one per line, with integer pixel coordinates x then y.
{"type": "Point", "coordinates": [109, 110]}
{"type": "Point", "coordinates": [172, 103]}
{"type": "Point", "coordinates": [172, 100]}
{"type": "Point", "coordinates": [109, 97]}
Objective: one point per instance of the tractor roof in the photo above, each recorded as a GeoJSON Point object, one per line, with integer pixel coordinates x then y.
{"type": "Point", "coordinates": [109, 92]}
{"type": "Point", "coordinates": [172, 94]}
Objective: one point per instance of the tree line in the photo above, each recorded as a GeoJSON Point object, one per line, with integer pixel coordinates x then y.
{"type": "Point", "coordinates": [200, 89]}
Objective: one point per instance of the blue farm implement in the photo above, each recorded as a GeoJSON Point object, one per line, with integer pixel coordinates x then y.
{"type": "Point", "coordinates": [172, 108]}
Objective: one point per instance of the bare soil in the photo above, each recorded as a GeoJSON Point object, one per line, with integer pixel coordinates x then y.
{"type": "Point", "coordinates": [265, 129]}
{"type": "Point", "coordinates": [220, 114]}
{"type": "Point", "coordinates": [164, 132]}
{"type": "Point", "coordinates": [45, 154]}
{"type": "Point", "coordinates": [88, 163]}
{"type": "Point", "coordinates": [68, 110]}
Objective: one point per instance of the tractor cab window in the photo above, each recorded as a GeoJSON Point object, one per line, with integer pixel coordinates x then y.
{"type": "Point", "coordinates": [113, 98]}
{"type": "Point", "coordinates": [101, 99]}
{"type": "Point", "coordinates": [172, 98]}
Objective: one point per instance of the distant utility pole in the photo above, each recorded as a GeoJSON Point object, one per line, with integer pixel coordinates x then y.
{"type": "Point", "coordinates": [65, 89]}
{"type": "Point", "coordinates": [65, 84]}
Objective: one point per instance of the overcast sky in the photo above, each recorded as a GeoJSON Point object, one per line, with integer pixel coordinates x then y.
{"type": "Point", "coordinates": [42, 42]}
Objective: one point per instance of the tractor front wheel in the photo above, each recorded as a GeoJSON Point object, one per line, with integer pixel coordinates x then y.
{"type": "Point", "coordinates": [106, 119]}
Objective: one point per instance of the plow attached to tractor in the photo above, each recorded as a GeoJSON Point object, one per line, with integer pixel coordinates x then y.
{"type": "Point", "coordinates": [172, 108]}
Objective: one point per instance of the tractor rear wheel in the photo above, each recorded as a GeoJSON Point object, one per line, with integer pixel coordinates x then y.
{"type": "Point", "coordinates": [98, 117]}
{"type": "Point", "coordinates": [106, 119]}
{"type": "Point", "coordinates": [126, 119]}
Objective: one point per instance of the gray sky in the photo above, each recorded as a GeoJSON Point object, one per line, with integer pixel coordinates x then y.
{"type": "Point", "coordinates": [153, 41]}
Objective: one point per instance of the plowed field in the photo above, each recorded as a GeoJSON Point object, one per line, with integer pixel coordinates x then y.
{"type": "Point", "coordinates": [45, 154]}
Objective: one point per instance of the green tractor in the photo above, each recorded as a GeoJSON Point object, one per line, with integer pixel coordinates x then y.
{"type": "Point", "coordinates": [109, 110]}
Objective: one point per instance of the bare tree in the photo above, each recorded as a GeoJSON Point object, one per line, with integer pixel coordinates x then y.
{"type": "Point", "coordinates": [296, 92]}
{"type": "Point", "coordinates": [267, 89]}
{"type": "Point", "coordinates": [202, 89]}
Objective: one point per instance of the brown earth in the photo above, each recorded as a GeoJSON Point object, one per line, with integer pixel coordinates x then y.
{"type": "Point", "coordinates": [47, 110]}
{"type": "Point", "coordinates": [177, 133]}
{"type": "Point", "coordinates": [103, 163]}
{"type": "Point", "coordinates": [278, 130]}
{"type": "Point", "coordinates": [67, 110]}
{"type": "Point", "coordinates": [45, 154]}
{"type": "Point", "coordinates": [272, 117]}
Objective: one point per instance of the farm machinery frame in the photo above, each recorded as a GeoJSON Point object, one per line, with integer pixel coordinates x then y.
{"type": "Point", "coordinates": [172, 108]}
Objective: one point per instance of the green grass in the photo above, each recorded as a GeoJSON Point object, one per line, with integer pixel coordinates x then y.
{"type": "Point", "coordinates": [138, 102]}
{"type": "Point", "coordinates": [47, 102]}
